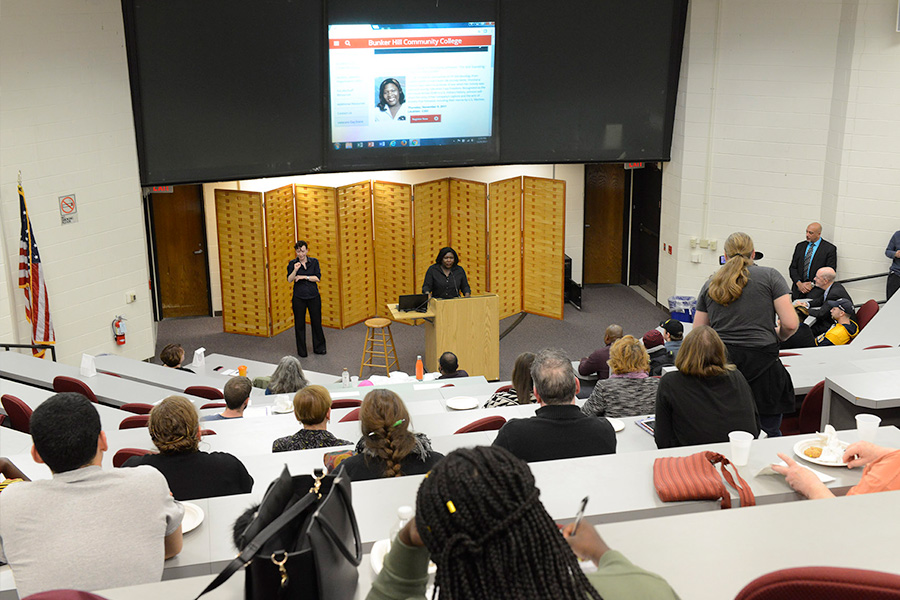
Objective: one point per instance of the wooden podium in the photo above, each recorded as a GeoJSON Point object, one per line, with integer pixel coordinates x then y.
{"type": "Point", "coordinates": [470, 329]}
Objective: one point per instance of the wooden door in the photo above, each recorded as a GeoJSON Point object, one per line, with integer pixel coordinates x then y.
{"type": "Point", "coordinates": [604, 203]}
{"type": "Point", "coordinates": [646, 206]}
{"type": "Point", "coordinates": [179, 237]}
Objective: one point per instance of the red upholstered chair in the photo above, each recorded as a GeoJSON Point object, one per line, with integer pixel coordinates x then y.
{"type": "Point", "coordinates": [204, 391]}
{"type": "Point", "coordinates": [124, 454]}
{"type": "Point", "coordinates": [134, 422]}
{"type": "Point", "coordinates": [214, 405]}
{"type": "Point", "coordinates": [61, 384]}
{"type": "Point", "coordinates": [503, 388]}
{"type": "Point", "coordinates": [817, 583]}
{"type": "Point", "coordinates": [810, 417]}
{"type": "Point", "coordinates": [345, 403]}
{"type": "Point", "coordinates": [204, 432]}
{"type": "Point", "coordinates": [353, 415]}
{"type": "Point", "coordinates": [447, 385]}
{"type": "Point", "coordinates": [878, 346]}
{"type": "Point", "coordinates": [492, 423]}
{"type": "Point", "coordinates": [64, 595]}
{"type": "Point", "coordinates": [138, 408]}
{"type": "Point", "coordinates": [865, 313]}
{"type": "Point", "coordinates": [18, 412]}
{"type": "Point", "coordinates": [783, 354]}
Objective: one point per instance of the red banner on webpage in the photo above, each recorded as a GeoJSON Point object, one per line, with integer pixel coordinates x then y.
{"type": "Point", "coordinates": [451, 41]}
{"type": "Point", "coordinates": [424, 118]}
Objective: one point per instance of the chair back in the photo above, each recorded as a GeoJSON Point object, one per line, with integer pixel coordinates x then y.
{"type": "Point", "coordinates": [783, 354]}
{"type": "Point", "coordinates": [811, 409]}
{"type": "Point", "coordinates": [492, 423]}
{"type": "Point", "coordinates": [64, 595]}
{"type": "Point", "coordinates": [124, 454]}
{"type": "Point", "coordinates": [207, 432]}
{"type": "Point", "coordinates": [878, 346]}
{"type": "Point", "coordinates": [865, 313]}
{"type": "Point", "coordinates": [62, 384]}
{"type": "Point", "coordinates": [205, 391]}
{"type": "Point", "coordinates": [18, 412]}
{"type": "Point", "coordinates": [214, 405]}
{"type": "Point", "coordinates": [345, 403]}
{"type": "Point", "coordinates": [816, 583]}
{"type": "Point", "coordinates": [134, 422]}
{"type": "Point", "coordinates": [503, 388]}
{"type": "Point", "coordinates": [448, 385]}
{"type": "Point", "coordinates": [138, 408]}
{"type": "Point", "coordinates": [353, 415]}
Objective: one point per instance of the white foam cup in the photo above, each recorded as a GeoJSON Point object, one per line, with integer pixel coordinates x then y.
{"type": "Point", "coordinates": [867, 427]}
{"type": "Point", "coordinates": [740, 447]}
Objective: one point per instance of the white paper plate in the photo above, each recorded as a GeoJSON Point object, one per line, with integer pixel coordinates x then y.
{"type": "Point", "coordinates": [282, 410]}
{"type": "Point", "coordinates": [462, 403]}
{"type": "Point", "coordinates": [802, 445]}
{"type": "Point", "coordinates": [380, 550]}
{"type": "Point", "coordinates": [193, 516]}
{"type": "Point", "coordinates": [618, 424]}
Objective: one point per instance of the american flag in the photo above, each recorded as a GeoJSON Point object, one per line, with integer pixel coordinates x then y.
{"type": "Point", "coordinates": [31, 280]}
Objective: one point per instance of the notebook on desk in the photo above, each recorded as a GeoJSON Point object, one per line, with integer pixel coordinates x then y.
{"type": "Point", "coordinates": [413, 303]}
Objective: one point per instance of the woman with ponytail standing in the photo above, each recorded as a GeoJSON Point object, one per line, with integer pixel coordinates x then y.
{"type": "Point", "coordinates": [740, 302]}
{"type": "Point", "coordinates": [479, 518]}
{"type": "Point", "coordinates": [388, 448]}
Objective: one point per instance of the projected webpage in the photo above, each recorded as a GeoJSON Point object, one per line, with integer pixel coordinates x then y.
{"type": "Point", "coordinates": [413, 85]}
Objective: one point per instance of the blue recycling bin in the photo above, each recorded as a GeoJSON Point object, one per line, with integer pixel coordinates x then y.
{"type": "Point", "coordinates": [682, 308]}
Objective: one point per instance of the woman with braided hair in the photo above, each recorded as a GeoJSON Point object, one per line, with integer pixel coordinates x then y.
{"type": "Point", "coordinates": [387, 447]}
{"type": "Point", "coordinates": [479, 518]}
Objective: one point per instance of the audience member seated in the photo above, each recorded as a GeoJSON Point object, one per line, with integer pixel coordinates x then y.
{"type": "Point", "coordinates": [882, 472]}
{"type": "Point", "coordinates": [596, 363]}
{"type": "Point", "coordinates": [480, 519]}
{"type": "Point", "coordinates": [172, 356]}
{"type": "Point", "coordinates": [557, 429]}
{"type": "Point", "coordinates": [10, 473]}
{"type": "Point", "coordinates": [312, 407]}
{"type": "Point", "coordinates": [815, 313]}
{"type": "Point", "coordinates": [630, 390]}
{"type": "Point", "coordinates": [237, 397]}
{"type": "Point", "coordinates": [522, 391]}
{"type": "Point", "coordinates": [448, 366]}
{"type": "Point", "coordinates": [844, 329]}
{"type": "Point", "coordinates": [655, 346]}
{"type": "Point", "coordinates": [705, 398]}
{"type": "Point", "coordinates": [175, 431]}
{"type": "Point", "coordinates": [288, 377]}
{"type": "Point", "coordinates": [673, 332]}
{"type": "Point", "coordinates": [85, 528]}
{"type": "Point", "coordinates": [387, 447]}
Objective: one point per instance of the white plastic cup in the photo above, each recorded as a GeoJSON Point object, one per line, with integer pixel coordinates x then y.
{"type": "Point", "coordinates": [867, 427]}
{"type": "Point", "coordinates": [740, 447]}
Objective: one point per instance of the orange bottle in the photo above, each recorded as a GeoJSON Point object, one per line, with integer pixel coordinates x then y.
{"type": "Point", "coordinates": [420, 368]}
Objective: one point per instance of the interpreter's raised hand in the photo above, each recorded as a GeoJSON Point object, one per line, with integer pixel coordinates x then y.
{"type": "Point", "coordinates": [586, 543]}
{"type": "Point", "coordinates": [409, 535]}
{"type": "Point", "coordinates": [801, 479]}
{"type": "Point", "coordinates": [862, 453]}
{"type": "Point", "coordinates": [296, 266]}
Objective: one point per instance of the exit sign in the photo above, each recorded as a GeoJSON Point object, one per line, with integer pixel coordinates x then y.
{"type": "Point", "coordinates": [634, 165]}
{"type": "Point", "coordinates": [168, 189]}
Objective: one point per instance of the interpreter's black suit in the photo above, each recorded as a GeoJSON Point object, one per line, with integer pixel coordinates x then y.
{"type": "Point", "coordinates": [825, 256]}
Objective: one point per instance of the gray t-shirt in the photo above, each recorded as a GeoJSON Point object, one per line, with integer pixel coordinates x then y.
{"type": "Point", "coordinates": [87, 529]}
{"type": "Point", "coordinates": [749, 321]}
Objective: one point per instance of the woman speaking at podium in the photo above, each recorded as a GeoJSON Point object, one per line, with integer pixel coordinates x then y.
{"type": "Point", "coordinates": [445, 278]}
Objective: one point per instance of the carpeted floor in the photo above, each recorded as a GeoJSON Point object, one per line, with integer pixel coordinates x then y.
{"type": "Point", "coordinates": [579, 334]}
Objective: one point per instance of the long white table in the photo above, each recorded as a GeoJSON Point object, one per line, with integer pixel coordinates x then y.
{"type": "Point", "coordinates": [848, 395]}
{"type": "Point", "coordinates": [884, 328]}
{"type": "Point", "coordinates": [255, 368]}
{"type": "Point", "coordinates": [813, 365]}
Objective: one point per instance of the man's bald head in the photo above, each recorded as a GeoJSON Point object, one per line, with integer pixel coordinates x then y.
{"type": "Point", "coordinates": [613, 332]}
{"type": "Point", "coordinates": [813, 232]}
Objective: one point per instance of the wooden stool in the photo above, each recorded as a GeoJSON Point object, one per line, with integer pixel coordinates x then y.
{"type": "Point", "coordinates": [379, 345]}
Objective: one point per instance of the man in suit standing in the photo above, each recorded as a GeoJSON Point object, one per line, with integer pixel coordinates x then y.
{"type": "Point", "coordinates": [809, 257]}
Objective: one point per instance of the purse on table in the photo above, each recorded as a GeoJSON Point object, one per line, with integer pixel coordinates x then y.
{"type": "Point", "coordinates": [695, 477]}
{"type": "Point", "coordinates": [301, 543]}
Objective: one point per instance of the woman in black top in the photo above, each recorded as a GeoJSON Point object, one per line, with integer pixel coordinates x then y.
{"type": "Point", "coordinates": [445, 278]}
{"type": "Point", "coordinates": [312, 407]}
{"type": "Point", "coordinates": [175, 431]}
{"type": "Point", "coordinates": [305, 274]}
{"type": "Point", "coordinates": [706, 398]}
{"type": "Point", "coordinates": [388, 448]}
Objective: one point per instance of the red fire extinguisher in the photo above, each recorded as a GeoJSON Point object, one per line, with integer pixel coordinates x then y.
{"type": "Point", "coordinates": [118, 327]}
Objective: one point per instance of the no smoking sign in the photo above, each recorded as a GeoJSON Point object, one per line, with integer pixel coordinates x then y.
{"type": "Point", "coordinates": [68, 209]}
